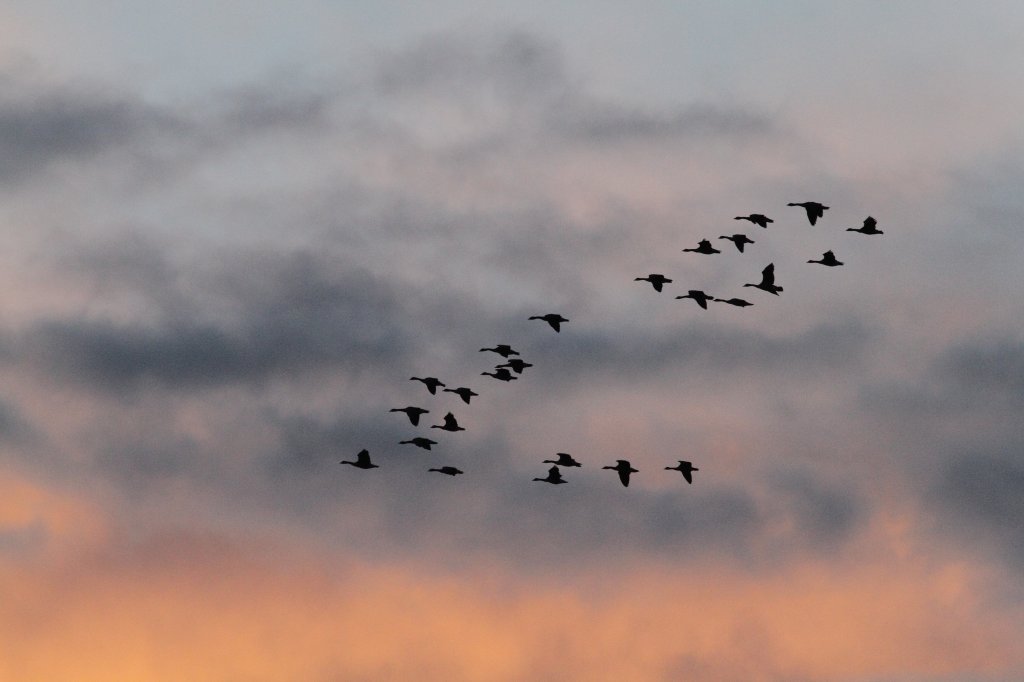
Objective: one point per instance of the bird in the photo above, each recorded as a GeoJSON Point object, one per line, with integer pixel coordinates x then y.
{"type": "Point", "coordinates": [739, 240]}
{"type": "Point", "coordinates": [757, 219]}
{"type": "Point", "coordinates": [657, 281]}
{"type": "Point", "coordinates": [869, 227]}
{"type": "Point", "coordinates": [699, 296]}
{"type": "Point", "coordinates": [419, 442]}
{"type": "Point", "coordinates": [516, 365]}
{"type": "Point", "coordinates": [412, 412]}
{"type": "Point", "coordinates": [813, 208]}
{"type": "Point", "coordinates": [430, 382]}
{"type": "Point", "coordinates": [502, 349]}
{"type": "Point", "coordinates": [738, 302]}
{"type": "Point", "coordinates": [554, 476]}
{"type": "Point", "coordinates": [564, 460]}
{"type": "Point", "coordinates": [502, 374]}
{"type": "Point", "coordinates": [462, 392]}
{"type": "Point", "coordinates": [828, 258]}
{"type": "Point", "coordinates": [686, 469]}
{"type": "Point", "coordinates": [704, 246]}
{"type": "Point", "coordinates": [362, 461]}
{"type": "Point", "coordinates": [624, 468]}
{"type": "Point", "coordinates": [450, 424]}
{"type": "Point", "coordinates": [767, 282]}
{"type": "Point", "coordinates": [551, 318]}
{"type": "Point", "coordinates": [450, 471]}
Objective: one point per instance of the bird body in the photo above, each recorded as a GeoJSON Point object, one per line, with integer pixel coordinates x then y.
{"type": "Point", "coordinates": [430, 382]}
{"type": "Point", "coordinates": [462, 392]}
{"type": "Point", "coordinates": [419, 442]}
{"type": "Point", "coordinates": [757, 219]}
{"type": "Point", "coordinates": [704, 246]}
{"type": "Point", "coordinates": [685, 468]}
{"type": "Point", "coordinates": [413, 413]}
{"type": "Point", "coordinates": [554, 476]}
{"type": "Point", "coordinates": [699, 296]}
{"type": "Point", "coordinates": [869, 227]}
{"type": "Point", "coordinates": [624, 468]}
{"type": "Point", "coordinates": [657, 281]}
{"type": "Point", "coordinates": [553, 319]}
{"type": "Point", "coordinates": [564, 460]}
{"type": "Point", "coordinates": [828, 258]}
{"type": "Point", "coordinates": [739, 240]}
{"type": "Point", "coordinates": [813, 208]}
{"type": "Point", "coordinates": [516, 365]}
{"type": "Point", "coordinates": [767, 282]}
{"type": "Point", "coordinates": [500, 373]}
{"type": "Point", "coordinates": [362, 461]}
{"type": "Point", "coordinates": [738, 302]}
{"type": "Point", "coordinates": [449, 471]}
{"type": "Point", "coordinates": [502, 349]}
{"type": "Point", "coordinates": [450, 424]}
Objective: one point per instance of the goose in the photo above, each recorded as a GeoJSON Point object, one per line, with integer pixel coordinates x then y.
{"type": "Point", "coordinates": [813, 208]}
{"type": "Point", "coordinates": [624, 468]}
{"type": "Point", "coordinates": [412, 412]}
{"type": "Point", "coordinates": [738, 302]}
{"type": "Point", "coordinates": [419, 442]}
{"type": "Point", "coordinates": [757, 219]}
{"type": "Point", "coordinates": [462, 392]}
{"type": "Point", "coordinates": [704, 246]}
{"type": "Point", "coordinates": [516, 365]}
{"type": "Point", "coordinates": [657, 281]}
{"type": "Point", "coordinates": [449, 471]}
{"type": "Point", "coordinates": [554, 476]}
{"type": "Point", "coordinates": [502, 349]}
{"type": "Point", "coordinates": [553, 319]}
{"type": "Point", "coordinates": [767, 282]}
{"type": "Point", "coordinates": [430, 382]}
{"type": "Point", "coordinates": [869, 227]}
{"type": "Point", "coordinates": [685, 468]}
{"type": "Point", "coordinates": [828, 258]}
{"type": "Point", "coordinates": [362, 461]}
{"type": "Point", "coordinates": [450, 424]}
{"type": "Point", "coordinates": [564, 460]}
{"type": "Point", "coordinates": [699, 296]}
{"type": "Point", "coordinates": [739, 240]}
{"type": "Point", "coordinates": [502, 374]}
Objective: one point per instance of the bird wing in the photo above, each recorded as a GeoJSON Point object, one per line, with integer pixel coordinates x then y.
{"type": "Point", "coordinates": [624, 476]}
{"type": "Point", "coordinates": [688, 475]}
{"type": "Point", "coordinates": [768, 275]}
{"type": "Point", "coordinates": [449, 421]}
{"type": "Point", "coordinates": [363, 457]}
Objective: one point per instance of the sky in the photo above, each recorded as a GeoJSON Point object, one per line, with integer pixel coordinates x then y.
{"type": "Point", "coordinates": [231, 231]}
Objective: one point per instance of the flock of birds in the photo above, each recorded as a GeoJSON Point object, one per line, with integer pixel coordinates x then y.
{"type": "Point", "coordinates": [515, 366]}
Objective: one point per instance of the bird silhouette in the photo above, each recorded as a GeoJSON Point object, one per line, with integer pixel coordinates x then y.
{"type": "Point", "coordinates": [419, 441]}
{"type": "Point", "coordinates": [516, 365]}
{"type": "Point", "coordinates": [767, 282]}
{"type": "Point", "coordinates": [502, 349]}
{"type": "Point", "coordinates": [413, 413]}
{"type": "Point", "coordinates": [450, 424]}
{"type": "Point", "coordinates": [657, 281]}
{"type": "Point", "coordinates": [450, 471]}
{"type": "Point", "coordinates": [564, 460]}
{"type": "Point", "coordinates": [699, 296]}
{"type": "Point", "coordinates": [869, 227]}
{"type": "Point", "coordinates": [757, 219]}
{"type": "Point", "coordinates": [686, 469]}
{"type": "Point", "coordinates": [554, 476]}
{"type": "Point", "coordinates": [813, 208]}
{"type": "Point", "coordinates": [624, 468]}
{"type": "Point", "coordinates": [553, 319]}
{"type": "Point", "coordinates": [738, 302]}
{"type": "Point", "coordinates": [362, 461]}
{"type": "Point", "coordinates": [430, 382]}
{"type": "Point", "coordinates": [704, 246]}
{"type": "Point", "coordinates": [462, 392]}
{"type": "Point", "coordinates": [502, 374]}
{"type": "Point", "coordinates": [828, 258]}
{"type": "Point", "coordinates": [739, 240]}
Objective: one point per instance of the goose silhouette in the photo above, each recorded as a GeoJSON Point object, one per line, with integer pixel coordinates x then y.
{"type": "Point", "coordinates": [500, 373]}
{"type": "Point", "coordinates": [362, 461]}
{"type": "Point", "coordinates": [869, 227]}
{"type": "Point", "coordinates": [419, 441]}
{"type": "Point", "coordinates": [828, 258]}
{"type": "Point", "coordinates": [624, 468]}
{"type": "Point", "coordinates": [564, 460]}
{"type": "Point", "coordinates": [704, 246]}
{"type": "Point", "coordinates": [462, 392]}
{"type": "Point", "coordinates": [757, 219]}
{"type": "Point", "coordinates": [738, 302]}
{"type": "Point", "coordinates": [430, 382]}
{"type": "Point", "coordinates": [413, 413]}
{"type": "Point", "coordinates": [657, 281]}
{"type": "Point", "coordinates": [739, 240]}
{"type": "Point", "coordinates": [813, 208]}
{"type": "Point", "coordinates": [685, 468]}
{"type": "Point", "coordinates": [448, 471]}
{"type": "Point", "coordinates": [767, 282]}
{"type": "Point", "coordinates": [554, 476]}
{"type": "Point", "coordinates": [699, 296]}
{"type": "Point", "coordinates": [516, 365]}
{"type": "Point", "coordinates": [450, 424]}
{"type": "Point", "coordinates": [553, 319]}
{"type": "Point", "coordinates": [502, 349]}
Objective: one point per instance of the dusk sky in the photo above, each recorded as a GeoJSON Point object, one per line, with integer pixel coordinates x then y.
{"type": "Point", "coordinates": [230, 231]}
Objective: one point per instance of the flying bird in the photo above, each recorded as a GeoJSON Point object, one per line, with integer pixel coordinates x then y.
{"type": "Point", "coordinates": [450, 471]}
{"type": "Point", "coordinates": [462, 392]}
{"type": "Point", "coordinates": [362, 461]}
{"type": "Point", "coordinates": [699, 296]}
{"type": "Point", "coordinates": [657, 281]}
{"type": "Point", "coordinates": [828, 258]}
{"type": "Point", "coordinates": [450, 424]}
{"type": "Point", "coordinates": [813, 208]}
{"type": "Point", "coordinates": [767, 282]}
{"type": "Point", "coordinates": [564, 460]}
{"type": "Point", "coordinates": [516, 365]}
{"type": "Point", "coordinates": [738, 302]}
{"type": "Point", "coordinates": [739, 240]}
{"type": "Point", "coordinates": [624, 468]}
{"type": "Point", "coordinates": [412, 412]}
{"type": "Point", "coordinates": [869, 227]}
{"type": "Point", "coordinates": [554, 476]}
{"type": "Point", "coordinates": [430, 382]}
{"type": "Point", "coordinates": [551, 318]}
{"type": "Point", "coordinates": [704, 246]}
{"type": "Point", "coordinates": [757, 219]}
{"type": "Point", "coordinates": [685, 468]}
{"type": "Point", "coordinates": [419, 441]}
{"type": "Point", "coordinates": [502, 349]}
{"type": "Point", "coordinates": [502, 374]}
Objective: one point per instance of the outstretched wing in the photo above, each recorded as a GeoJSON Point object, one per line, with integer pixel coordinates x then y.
{"type": "Point", "coordinates": [768, 275]}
